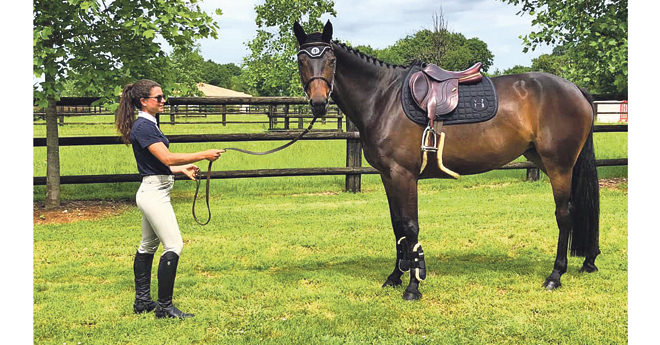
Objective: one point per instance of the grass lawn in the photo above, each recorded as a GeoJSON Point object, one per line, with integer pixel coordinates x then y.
{"type": "Point", "coordinates": [298, 267]}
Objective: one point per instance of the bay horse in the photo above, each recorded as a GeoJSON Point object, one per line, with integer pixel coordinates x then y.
{"type": "Point", "coordinates": [547, 119]}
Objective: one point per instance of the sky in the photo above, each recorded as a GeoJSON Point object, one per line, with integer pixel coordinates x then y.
{"type": "Point", "coordinates": [380, 23]}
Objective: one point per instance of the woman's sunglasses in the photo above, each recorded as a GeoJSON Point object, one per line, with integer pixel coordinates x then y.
{"type": "Point", "coordinates": [158, 98]}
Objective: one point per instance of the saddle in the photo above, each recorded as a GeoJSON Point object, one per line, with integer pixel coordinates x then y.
{"type": "Point", "coordinates": [435, 90]}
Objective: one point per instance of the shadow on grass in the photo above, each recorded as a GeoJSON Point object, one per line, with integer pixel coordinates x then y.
{"type": "Point", "coordinates": [452, 265]}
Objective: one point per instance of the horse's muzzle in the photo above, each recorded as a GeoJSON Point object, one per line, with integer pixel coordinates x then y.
{"type": "Point", "coordinates": [319, 106]}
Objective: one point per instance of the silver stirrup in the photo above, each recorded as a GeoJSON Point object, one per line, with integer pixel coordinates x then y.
{"type": "Point", "coordinates": [433, 144]}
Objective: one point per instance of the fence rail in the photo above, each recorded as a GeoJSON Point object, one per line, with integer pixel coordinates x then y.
{"type": "Point", "coordinates": [276, 107]}
{"type": "Point", "coordinates": [352, 171]}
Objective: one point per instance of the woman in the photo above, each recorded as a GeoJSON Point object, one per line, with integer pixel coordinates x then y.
{"type": "Point", "coordinates": [157, 165]}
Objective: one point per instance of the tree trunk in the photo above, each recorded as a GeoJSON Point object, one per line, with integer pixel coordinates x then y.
{"type": "Point", "coordinates": [52, 157]}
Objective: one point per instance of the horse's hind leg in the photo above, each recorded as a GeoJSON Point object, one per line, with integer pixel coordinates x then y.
{"type": "Point", "coordinates": [561, 189]}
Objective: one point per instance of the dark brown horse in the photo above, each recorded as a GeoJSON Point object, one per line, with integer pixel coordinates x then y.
{"type": "Point", "coordinates": [547, 119]}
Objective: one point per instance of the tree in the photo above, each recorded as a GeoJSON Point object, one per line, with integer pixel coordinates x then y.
{"type": "Point", "coordinates": [594, 34]}
{"type": "Point", "coordinates": [103, 45]}
{"type": "Point", "coordinates": [457, 53]}
{"type": "Point", "coordinates": [271, 68]}
{"type": "Point", "coordinates": [553, 64]}
{"type": "Point", "coordinates": [517, 69]}
{"type": "Point", "coordinates": [222, 75]}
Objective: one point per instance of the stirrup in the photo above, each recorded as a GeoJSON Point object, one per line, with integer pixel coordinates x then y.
{"type": "Point", "coordinates": [432, 146]}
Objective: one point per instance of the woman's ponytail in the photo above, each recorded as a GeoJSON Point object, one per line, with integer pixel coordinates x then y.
{"type": "Point", "coordinates": [125, 114]}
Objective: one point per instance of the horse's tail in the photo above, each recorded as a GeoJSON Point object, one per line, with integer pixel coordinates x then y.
{"type": "Point", "coordinates": [585, 197]}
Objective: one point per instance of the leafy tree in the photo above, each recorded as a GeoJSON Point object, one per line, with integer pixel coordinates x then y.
{"type": "Point", "coordinates": [271, 68]}
{"type": "Point", "coordinates": [186, 70]}
{"type": "Point", "coordinates": [594, 34]}
{"type": "Point", "coordinates": [222, 75]}
{"type": "Point", "coordinates": [458, 53]}
{"type": "Point", "coordinates": [553, 64]}
{"type": "Point", "coordinates": [103, 45]}
{"type": "Point", "coordinates": [517, 69]}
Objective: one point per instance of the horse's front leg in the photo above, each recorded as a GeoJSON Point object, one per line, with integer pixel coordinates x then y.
{"type": "Point", "coordinates": [401, 189]}
{"type": "Point", "coordinates": [394, 279]}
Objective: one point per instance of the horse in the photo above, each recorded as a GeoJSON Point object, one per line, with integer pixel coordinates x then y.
{"type": "Point", "coordinates": [545, 118]}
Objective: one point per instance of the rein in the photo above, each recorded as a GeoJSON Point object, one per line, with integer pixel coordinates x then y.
{"type": "Point", "coordinates": [208, 173]}
{"type": "Point", "coordinates": [314, 50]}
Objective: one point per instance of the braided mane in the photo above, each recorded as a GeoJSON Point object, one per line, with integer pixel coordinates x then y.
{"type": "Point", "coordinates": [367, 57]}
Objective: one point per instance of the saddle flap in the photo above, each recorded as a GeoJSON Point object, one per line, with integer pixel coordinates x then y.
{"type": "Point", "coordinates": [436, 98]}
{"type": "Point", "coordinates": [446, 94]}
{"type": "Point", "coordinates": [419, 88]}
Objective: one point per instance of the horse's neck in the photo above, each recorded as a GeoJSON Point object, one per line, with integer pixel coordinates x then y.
{"type": "Point", "coordinates": [360, 85]}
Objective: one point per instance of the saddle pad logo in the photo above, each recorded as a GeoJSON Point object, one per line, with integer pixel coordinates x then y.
{"type": "Point", "coordinates": [479, 104]}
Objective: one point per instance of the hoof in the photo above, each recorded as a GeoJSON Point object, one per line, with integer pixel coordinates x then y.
{"type": "Point", "coordinates": [392, 282]}
{"type": "Point", "coordinates": [589, 268]}
{"type": "Point", "coordinates": [551, 284]}
{"type": "Point", "coordinates": [412, 295]}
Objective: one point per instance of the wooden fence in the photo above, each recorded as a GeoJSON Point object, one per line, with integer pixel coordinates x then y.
{"type": "Point", "coordinates": [280, 111]}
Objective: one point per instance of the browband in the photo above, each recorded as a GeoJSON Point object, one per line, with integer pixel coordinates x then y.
{"type": "Point", "coordinates": [314, 50]}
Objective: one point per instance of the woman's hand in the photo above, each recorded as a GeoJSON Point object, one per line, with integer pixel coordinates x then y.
{"type": "Point", "coordinates": [191, 171]}
{"type": "Point", "coordinates": [212, 155]}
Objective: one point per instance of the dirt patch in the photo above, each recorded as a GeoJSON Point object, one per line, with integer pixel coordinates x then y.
{"type": "Point", "coordinates": [614, 183]}
{"type": "Point", "coordinates": [73, 211]}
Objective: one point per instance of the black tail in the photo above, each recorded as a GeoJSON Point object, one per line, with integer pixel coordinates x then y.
{"type": "Point", "coordinates": [585, 198]}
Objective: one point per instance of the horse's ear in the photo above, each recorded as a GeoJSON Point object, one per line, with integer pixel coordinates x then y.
{"type": "Point", "coordinates": [300, 33]}
{"type": "Point", "coordinates": [327, 32]}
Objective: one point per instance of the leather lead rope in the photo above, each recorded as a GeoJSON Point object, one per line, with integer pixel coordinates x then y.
{"type": "Point", "coordinates": [208, 173]}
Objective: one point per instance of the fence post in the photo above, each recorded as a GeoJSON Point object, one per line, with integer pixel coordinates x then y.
{"type": "Point", "coordinates": [224, 115]}
{"type": "Point", "coordinates": [272, 120]}
{"type": "Point", "coordinates": [286, 117]}
{"type": "Point", "coordinates": [172, 113]}
{"type": "Point", "coordinates": [353, 159]}
{"type": "Point", "coordinates": [533, 174]}
{"type": "Point", "coordinates": [61, 117]}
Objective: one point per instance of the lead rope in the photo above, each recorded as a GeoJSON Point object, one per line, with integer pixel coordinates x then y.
{"type": "Point", "coordinates": [208, 173]}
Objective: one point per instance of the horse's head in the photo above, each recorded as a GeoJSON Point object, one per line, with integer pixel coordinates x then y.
{"type": "Point", "coordinates": [316, 65]}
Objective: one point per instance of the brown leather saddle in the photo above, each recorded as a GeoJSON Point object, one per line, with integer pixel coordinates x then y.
{"type": "Point", "coordinates": [435, 90]}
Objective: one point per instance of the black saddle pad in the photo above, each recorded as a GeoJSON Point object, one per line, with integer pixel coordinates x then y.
{"type": "Point", "coordinates": [476, 102]}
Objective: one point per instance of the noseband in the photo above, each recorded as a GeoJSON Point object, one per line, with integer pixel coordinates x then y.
{"type": "Point", "coordinates": [316, 50]}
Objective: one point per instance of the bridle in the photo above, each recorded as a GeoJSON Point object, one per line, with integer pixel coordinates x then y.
{"type": "Point", "coordinates": [315, 51]}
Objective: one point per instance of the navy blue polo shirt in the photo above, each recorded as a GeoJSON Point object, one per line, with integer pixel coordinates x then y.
{"type": "Point", "coordinates": [144, 133]}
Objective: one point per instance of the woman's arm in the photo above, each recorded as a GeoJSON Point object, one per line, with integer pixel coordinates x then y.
{"type": "Point", "coordinates": [160, 151]}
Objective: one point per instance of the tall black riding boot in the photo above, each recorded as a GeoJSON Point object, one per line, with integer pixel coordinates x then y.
{"type": "Point", "coordinates": [142, 271]}
{"type": "Point", "coordinates": [166, 277]}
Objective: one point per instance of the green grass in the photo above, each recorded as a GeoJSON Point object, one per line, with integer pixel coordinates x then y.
{"type": "Point", "coordinates": [287, 267]}
{"type": "Point", "coordinates": [297, 260]}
